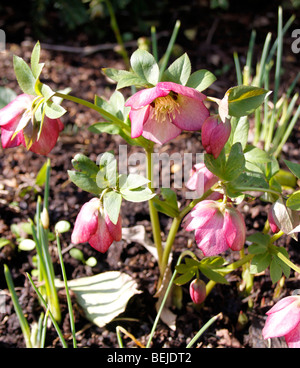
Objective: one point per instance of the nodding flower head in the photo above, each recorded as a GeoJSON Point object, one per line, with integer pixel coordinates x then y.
{"type": "Point", "coordinates": [160, 113]}
{"type": "Point", "coordinates": [18, 126]}
{"type": "Point", "coordinates": [94, 226]}
{"type": "Point", "coordinates": [218, 226]}
{"type": "Point", "coordinates": [197, 291]}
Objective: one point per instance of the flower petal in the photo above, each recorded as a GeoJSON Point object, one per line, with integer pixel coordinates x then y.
{"type": "Point", "coordinates": [160, 132]}
{"type": "Point", "coordinates": [145, 97]}
{"type": "Point", "coordinates": [181, 90]}
{"type": "Point", "coordinates": [15, 108]}
{"type": "Point", "coordinates": [138, 117]}
{"type": "Point", "coordinates": [293, 338]}
{"type": "Point", "coordinates": [114, 230]}
{"type": "Point", "coordinates": [86, 223]}
{"type": "Point", "coordinates": [102, 239]}
{"type": "Point", "coordinates": [191, 114]}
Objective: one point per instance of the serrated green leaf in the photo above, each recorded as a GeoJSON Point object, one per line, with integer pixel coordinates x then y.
{"type": "Point", "coordinates": [84, 182]}
{"type": "Point", "coordinates": [294, 168]}
{"type": "Point", "coordinates": [132, 181]}
{"type": "Point", "coordinates": [184, 278]}
{"type": "Point", "coordinates": [125, 78]}
{"type": "Point", "coordinates": [275, 271]}
{"type": "Point", "coordinates": [36, 66]}
{"type": "Point", "coordinates": [53, 110]}
{"type": "Point", "coordinates": [235, 164]}
{"type": "Point", "coordinates": [82, 163]}
{"type": "Point", "coordinates": [112, 205]}
{"type": "Point", "coordinates": [179, 71]}
{"type": "Point", "coordinates": [213, 275]}
{"type": "Point", "coordinates": [260, 262]}
{"type": "Point", "coordinates": [25, 78]}
{"type": "Point", "coordinates": [145, 66]}
{"type": "Point", "coordinates": [137, 195]}
{"type": "Point", "coordinates": [200, 80]}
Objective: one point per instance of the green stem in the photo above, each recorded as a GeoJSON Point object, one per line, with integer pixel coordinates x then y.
{"type": "Point", "coordinates": [153, 212]}
{"type": "Point", "coordinates": [64, 344]}
{"type": "Point", "coordinates": [71, 315]}
{"type": "Point", "coordinates": [23, 322]}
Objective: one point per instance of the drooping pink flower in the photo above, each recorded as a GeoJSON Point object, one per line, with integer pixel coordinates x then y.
{"type": "Point", "coordinates": [214, 135]}
{"type": "Point", "coordinates": [160, 113]}
{"type": "Point", "coordinates": [18, 127]}
{"type": "Point", "coordinates": [94, 226]}
{"type": "Point", "coordinates": [284, 320]}
{"type": "Point", "coordinates": [197, 291]}
{"type": "Point", "coordinates": [201, 180]}
{"type": "Point", "coordinates": [217, 227]}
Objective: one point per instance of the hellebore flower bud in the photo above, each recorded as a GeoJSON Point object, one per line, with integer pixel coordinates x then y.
{"type": "Point", "coordinates": [284, 320]}
{"type": "Point", "coordinates": [272, 221]}
{"type": "Point", "coordinates": [217, 227]}
{"type": "Point", "coordinates": [215, 134]}
{"type": "Point", "coordinates": [198, 291]}
{"type": "Point", "coordinates": [93, 225]}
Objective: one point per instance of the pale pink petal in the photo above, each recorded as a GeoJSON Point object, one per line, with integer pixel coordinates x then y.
{"type": "Point", "coordinates": [181, 90]}
{"type": "Point", "coordinates": [191, 114]}
{"type": "Point", "coordinates": [138, 117]}
{"type": "Point", "coordinates": [160, 132]}
{"type": "Point", "coordinates": [219, 137]}
{"type": "Point", "coordinates": [208, 127]}
{"type": "Point", "coordinates": [145, 97]}
{"type": "Point", "coordinates": [283, 319]}
{"type": "Point", "coordinates": [194, 220]}
{"type": "Point", "coordinates": [293, 338]}
{"type": "Point", "coordinates": [6, 140]}
{"type": "Point", "coordinates": [86, 223]}
{"type": "Point", "coordinates": [15, 108]}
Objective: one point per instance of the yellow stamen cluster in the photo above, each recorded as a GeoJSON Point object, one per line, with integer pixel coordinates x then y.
{"type": "Point", "coordinates": [165, 108]}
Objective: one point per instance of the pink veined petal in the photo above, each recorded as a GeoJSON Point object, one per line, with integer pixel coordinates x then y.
{"type": "Point", "coordinates": [196, 221]}
{"type": "Point", "coordinates": [145, 97]}
{"type": "Point", "coordinates": [234, 229]}
{"type": "Point", "coordinates": [282, 322]}
{"type": "Point", "coordinates": [115, 230]}
{"type": "Point", "coordinates": [15, 108]}
{"type": "Point", "coordinates": [6, 140]}
{"type": "Point", "coordinates": [191, 114]}
{"type": "Point", "coordinates": [160, 132]}
{"type": "Point", "coordinates": [48, 137]}
{"type": "Point", "coordinates": [284, 303]}
{"type": "Point", "coordinates": [102, 239]}
{"type": "Point", "coordinates": [86, 223]}
{"type": "Point", "coordinates": [210, 237]}
{"type": "Point", "coordinates": [208, 127]}
{"type": "Point", "coordinates": [219, 138]}
{"type": "Point", "coordinates": [293, 338]}
{"type": "Point", "coordinates": [138, 117]}
{"type": "Point", "coordinates": [181, 90]}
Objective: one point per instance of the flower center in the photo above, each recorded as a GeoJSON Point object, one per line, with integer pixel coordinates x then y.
{"type": "Point", "coordinates": [165, 108]}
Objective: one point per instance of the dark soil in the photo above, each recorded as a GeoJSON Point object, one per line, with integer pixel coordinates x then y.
{"type": "Point", "coordinates": [219, 34]}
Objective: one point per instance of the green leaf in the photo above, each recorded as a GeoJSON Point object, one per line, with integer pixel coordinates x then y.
{"type": "Point", "coordinates": [53, 110]}
{"type": "Point", "coordinates": [132, 181]}
{"type": "Point", "coordinates": [216, 166]}
{"type": "Point", "coordinates": [82, 163]}
{"type": "Point", "coordinates": [294, 168]}
{"type": "Point", "coordinates": [145, 66]}
{"type": "Point", "coordinates": [125, 78]}
{"type": "Point", "coordinates": [137, 195]}
{"type": "Point", "coordinates": [84, 182]}
{"type": "Point", "coordinates": [200, 80]}
{"type": "Point", "coordinates": [293, 201]}
{"type": "Point", "coordinates": [184, 278]}
{"type": "Point", "coordinates": [260, 262]}
{"type": "Point", "coordinates": [243, 100]}
{"type": "Point", "coordinates": [239, 132]}
{"type": "Point", "coordinates": [112, 205]}
{"type": "Point", "coordinates": [235, 164]}
{"type": "Point", "coordinates": [36, 67]}
{"type": "Point", "coordinates": [275, 271]}
{"type": "Point", "coordinates": [213, 275]}
{"type": "Point", "coordinates": [168, 205]}
{"type": "Point", "coordinates": [24, 76]}
{"type": "Point", "coordinates": [179, 71]}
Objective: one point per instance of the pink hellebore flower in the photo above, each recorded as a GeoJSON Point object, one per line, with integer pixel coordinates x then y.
{"type": "Point", "coordinates": [284, 320]}
{"type": "Point", "coordinates": [217, 226]}
{"type": "Point", "coordinates": [214, 135]}
{"type": "Point", "coordinates": [201, 180]}
{"type": "Point", "coordinates": [160, 113]}
{"type": "Point", "coordinates": [94, 226]}
{"type": "Point", "coordinates": [272, 222]}
{"type": "Point", "coordinates": [17, 127]}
